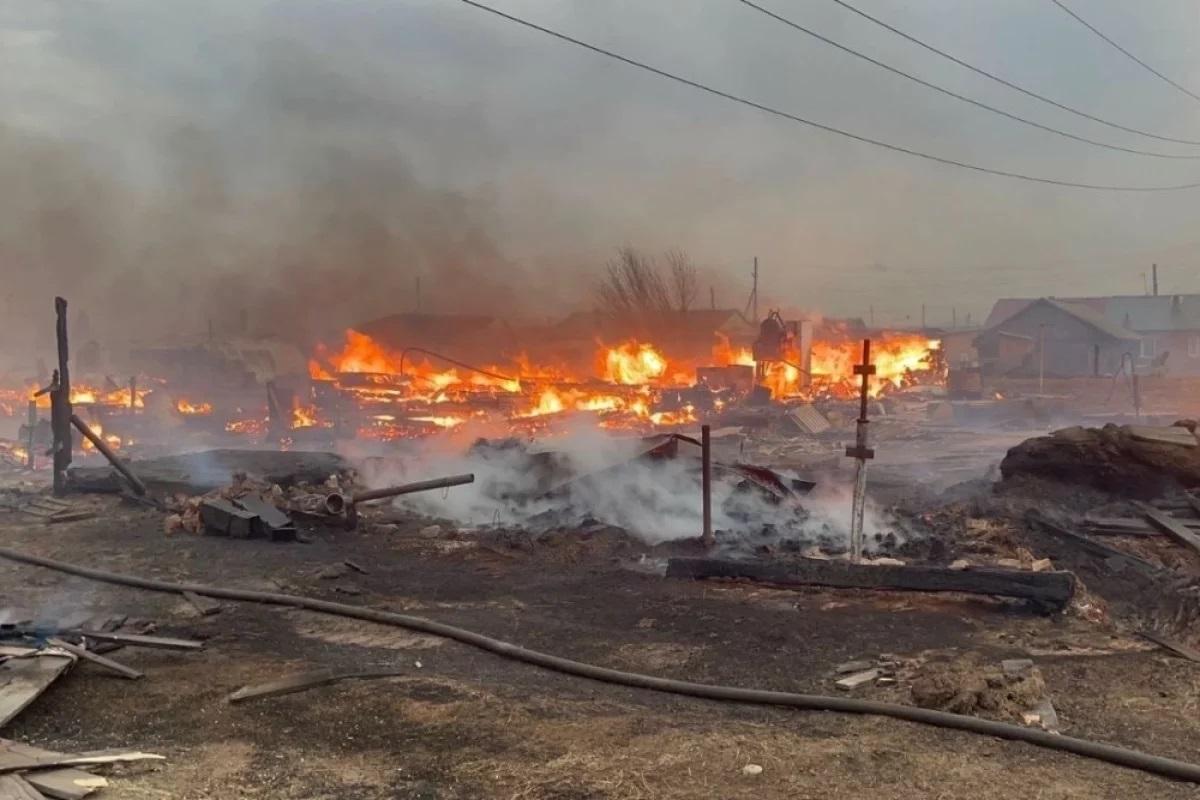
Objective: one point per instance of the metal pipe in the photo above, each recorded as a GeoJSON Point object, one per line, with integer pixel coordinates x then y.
{"type": "Point", "coordinates": [706, 481]}
{"type": "Point", "coordinates": [1158, 765]}
{"type": "Point", "coordinates": [139, 488]}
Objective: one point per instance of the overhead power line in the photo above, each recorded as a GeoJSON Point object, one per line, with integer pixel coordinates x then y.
{"type": "Point", "coordinates": [1010, 84]}
{"type": "Point", "coordinates": [818, 125]}
{"type": "Point", "coordinates": [1125, 52]}
{"type": "Point", "coordinates": [949, 93]}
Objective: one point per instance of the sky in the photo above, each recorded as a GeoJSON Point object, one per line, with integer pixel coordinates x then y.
{"type": "Point", "coordinates": [166, 162]}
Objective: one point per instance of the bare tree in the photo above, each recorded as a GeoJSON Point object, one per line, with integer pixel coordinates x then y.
{"type": "Point", "coordinates": [684, 283]}
{"type": "Point", "coordinates": [632, 284]}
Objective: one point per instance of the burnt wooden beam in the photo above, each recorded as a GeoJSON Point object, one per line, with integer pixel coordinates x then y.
{"type": "Point", "coordinates": [134, 482]}
{"type": "Point", "coordinates": [60, 402]}
{"type": "Point", "coordinates": [1171, 527]}
{"type": "Point", "coordinates": [1051, 590]}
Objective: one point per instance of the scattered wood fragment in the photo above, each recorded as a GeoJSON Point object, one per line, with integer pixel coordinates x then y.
{"type": "Point", "coordinates": [1177, 648]}
{"type": "Point", "coordinates": [1171, 527]}
{"type": "Point", "coordinates": [356, 567]}
{"type": "Point", "coordinates": [857, 679]}
{"type": "Point", "coordinates": [67, 783]}
{"type": "Point", "coordinates": [1051, 590]}
{"type": "Point", "coordinates": [135, 640]}
{"type": "Point", "coordinates": [1098, 549]}
{"type": "Point", "coordinates": [14, 787]}
{"type": "Point", "coordinates": [304, 681]}
{"type": "Point", "coordinates": [26, 674]}
{"type": "Point", "coordinates": [15, 763]}
{"type": "Point", "coordinates": [204, 605]}
{"type": "Point", "coordinates": [112, 666]}
{"type": "Point", "coordinates": [853, 666]}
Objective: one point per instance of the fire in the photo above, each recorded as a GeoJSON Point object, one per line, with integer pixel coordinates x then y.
{"type": "Point", "coordinates": [633, 363]}
{"type": "Point", "coordinates": [308, 417]}
{"type": "Point", "coordinates": [184, 406]}
{"type": "Point", "coordinates": [898, 358]}
{"type": "Point", "coordinates": [110, 439]}
{"type": "Point", "coordinates": [441, 422]}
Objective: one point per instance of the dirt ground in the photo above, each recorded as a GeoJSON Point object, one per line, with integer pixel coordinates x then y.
{"type": "Point", "coordinates": [462, 723]}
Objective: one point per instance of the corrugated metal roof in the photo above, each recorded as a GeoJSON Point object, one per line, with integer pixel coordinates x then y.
{"type": "Point", "coordinates": [1142, 313]}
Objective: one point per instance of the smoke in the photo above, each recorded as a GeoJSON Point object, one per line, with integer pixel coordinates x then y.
{"type": "Point", "coordinates": [167, 164]}
{"type": "Point", "coordinates": [584, 475]}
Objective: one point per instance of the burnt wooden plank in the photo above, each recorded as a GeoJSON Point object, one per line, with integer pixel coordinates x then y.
{"type": "Point", "coordinates": [304, 681]}
{"type": "Point", "coordinates": [25, 675]}
{"type": "Point", "coordinates": [1172, 527]}
{"type": "Point", "coordinates": [14, 787]}
{"type": "Point", "coordinates": [135, 640]}
{"type": "Point", "coordinates": [128, 673]}
{"type": "Point", "coordinates": [1048, 589]}
{"type": "Point", "coordinates": [66, 783]}
{"type": "Point", "coordinates": [223, 518]}
{"type": "Point", "coordinates": [205, 605]}
{"type": "Point", "coordinates": [1098, 549]}
{"type": "Point", "coordinates": [1175, 647]}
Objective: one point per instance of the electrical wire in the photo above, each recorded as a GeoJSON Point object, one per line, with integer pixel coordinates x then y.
{"type": "Point", "coordinates": [1008, 83]}
{"type": "Point", "coordinates": [819, 125]}
{"type": "Point", "coordinates": [1125, 52]}
{"type": "Point", "coordinates": [949, 93]}
{"type": "Point", "coordinates": [1167, 767]}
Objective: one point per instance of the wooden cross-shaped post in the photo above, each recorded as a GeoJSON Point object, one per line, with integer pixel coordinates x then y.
{"type": "Point", "coordinates": [861, 453]}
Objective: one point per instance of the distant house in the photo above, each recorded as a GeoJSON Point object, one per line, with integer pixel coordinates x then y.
{"type": "Point", "coordinates": [1063, 339]}
{"type": "Point", "coordinates": [1167, 326]}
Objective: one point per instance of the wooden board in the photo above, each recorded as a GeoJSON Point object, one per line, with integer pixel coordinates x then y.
{"type": "Point", "coordinates": [66, 783]}
{"type": "Point", "coordinates": [22, 679]}
{"type": "Point", "coordinates": [1098, 549]}
{"type": "Point", "coordinates": [1047, 589]}
{"type": "Point", "coordinates": [1171, 527]}
{"type": "Point", "coordinates": [14, 787]}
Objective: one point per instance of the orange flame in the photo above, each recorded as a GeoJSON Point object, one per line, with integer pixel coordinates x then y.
{"type": "Point", "coordinates": [633, 363]}
{"type": "Point", "coordinates": [184, 406]}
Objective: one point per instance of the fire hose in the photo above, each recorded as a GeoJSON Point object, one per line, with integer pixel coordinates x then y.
{"type": "Point", "coordinates": [1159, 765]}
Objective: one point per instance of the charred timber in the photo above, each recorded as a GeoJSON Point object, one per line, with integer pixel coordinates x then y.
{"type": "Point", "coordinates": [1046, 590]}
{"type": "Point", "coordinates": [134, 482]}
{"type": "Point", "coordinates": [337, 503]}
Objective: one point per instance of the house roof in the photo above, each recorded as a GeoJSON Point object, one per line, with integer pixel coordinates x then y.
{"type": "Point", "coordinates": [697, 322]}
{"type": "Point", "coordinates": [1145, 313]}
{"type": "Point", "coordinates": [1080, 311]}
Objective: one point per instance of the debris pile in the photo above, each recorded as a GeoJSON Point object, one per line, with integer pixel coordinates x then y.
{"type": "Point", "coordinates": [1013, 690]}
{"type": "Point", "coordinates": [1129, 460]}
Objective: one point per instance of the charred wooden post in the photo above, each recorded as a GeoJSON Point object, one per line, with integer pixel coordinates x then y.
{"type": "Point", "coordinates": [60, 402]}
{"type": "Point", "coordinates": [706, 481]}
{"type": "Point", "coordinates": [132, 392]}
{"type": "Point", "coordinates": [862, 454]}
{"type": "Point", "coordinates": [32, 435]}
{"type": "Point", "coordinates": [1046, 590]}
{"type": "Point", "coordinates": [336, 503]}
{"type": "Point", "coordinates": [138, 487]}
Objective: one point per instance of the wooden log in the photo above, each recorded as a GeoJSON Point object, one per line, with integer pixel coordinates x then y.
{"type": "Point", "coordinates": [136, 640]}
{"type": "Point", "coordinates": [1171, 527]}
{"type": "Point", "coordinates": [1051, 590]}
{"type": "Point", "coordinates": [1178, 648]}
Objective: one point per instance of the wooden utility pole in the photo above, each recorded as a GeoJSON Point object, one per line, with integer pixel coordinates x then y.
{"type": "Point", "coordinates": [754, 293]}
{"type": "Point", "coordinates": [1154, 278]}
{"type": "Point", "coordinates": [60, 402]}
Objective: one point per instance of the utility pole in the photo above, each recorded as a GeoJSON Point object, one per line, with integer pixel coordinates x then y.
{"type": "Point", "coordinates": [712, 298]}
{"type": "Point", "coordinates": [1042, 358]}
{"type": "Point", "coordinates": [1154, 280]}
{"type": "Point", "coordinates": [754, 293]}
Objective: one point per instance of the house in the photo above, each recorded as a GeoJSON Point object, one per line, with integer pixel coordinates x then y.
{"type": "Point", "coordinates": [1055, 337]}
{"type": "Point", "coordinates": [1168, 326]}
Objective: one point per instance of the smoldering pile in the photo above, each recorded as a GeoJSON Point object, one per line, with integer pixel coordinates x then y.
{"type": "Point", "coordinates": [649, 487]}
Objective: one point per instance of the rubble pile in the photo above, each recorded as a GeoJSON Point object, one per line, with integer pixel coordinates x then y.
{"type": "Point", "coordinates": [1130, 460]}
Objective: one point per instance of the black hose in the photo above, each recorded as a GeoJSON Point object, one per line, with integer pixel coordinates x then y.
{"type": "Point", "coordinates": [1167, 767]}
